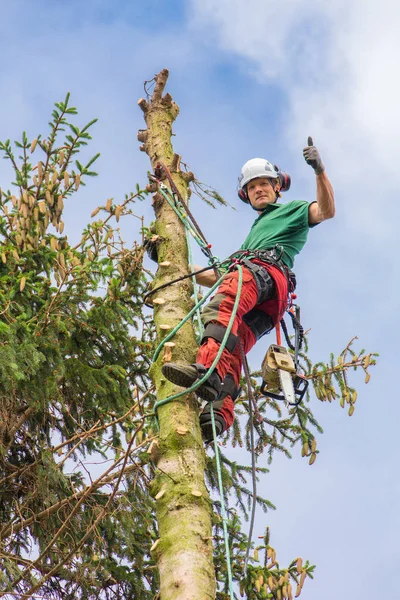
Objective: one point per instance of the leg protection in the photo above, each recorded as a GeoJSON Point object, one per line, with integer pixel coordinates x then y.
{"type": "Point", "coordinates": [228, 388]}
{"type": "Point", "coordinates": [217, 332]}
{"type": "Point", "coordinates": [259, 322]}
{"type": "Point", "coordinates": [264, 281]}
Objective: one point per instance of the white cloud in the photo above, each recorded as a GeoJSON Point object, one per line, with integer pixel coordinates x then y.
{"type": "Point", "coordinates": [336, 63]}
{"type": "Point", "coordinates": [260, 31]}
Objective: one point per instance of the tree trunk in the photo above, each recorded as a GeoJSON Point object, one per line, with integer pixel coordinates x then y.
{"type": "Point", "coordinates": [184, 550]}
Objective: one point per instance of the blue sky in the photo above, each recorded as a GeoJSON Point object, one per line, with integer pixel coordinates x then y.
{"type": "Point", "coordinates": [255, 78]}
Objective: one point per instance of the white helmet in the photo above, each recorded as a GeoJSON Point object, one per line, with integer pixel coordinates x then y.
{"type": "Point", "coordinates": [256, 167]}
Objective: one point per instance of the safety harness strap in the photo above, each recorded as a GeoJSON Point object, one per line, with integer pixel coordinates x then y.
{"type": "Point", "coordinates": [264, 281]}
{"type": "Point", "coordinates": [272, 257]}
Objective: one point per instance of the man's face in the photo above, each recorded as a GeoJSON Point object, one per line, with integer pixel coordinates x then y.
{"type": "Point", "coordinates": [260, 193]}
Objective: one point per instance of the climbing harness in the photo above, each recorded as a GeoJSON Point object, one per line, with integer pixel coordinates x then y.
{"type": "Point", "coordinates": [272, 257]}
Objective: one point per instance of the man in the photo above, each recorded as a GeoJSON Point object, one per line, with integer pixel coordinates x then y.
{"type": "Point", "coordinates": [276, 237]}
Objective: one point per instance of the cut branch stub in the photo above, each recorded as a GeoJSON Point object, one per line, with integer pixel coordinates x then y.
{"type": "Point", "coordinates": [188, 177]}
{"type": "Point", "coordinates": [161, 80]}
{"type": "Point", "coordinates": [167, 100]}
{"type": "Point", "coordinates": [151, 187]}
{"type": "Point", "coordinates": [142, 135]}
{"type": "Point", "coordinates": [144, 105]}
{"type": "Point", "coordinates": [176, 161]}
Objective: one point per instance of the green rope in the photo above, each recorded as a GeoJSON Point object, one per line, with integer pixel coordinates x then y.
{"type": "Point", "coordinates": [196, 309]}
{"type": "Point", "coordinates": [221, 348]}
{"type": "Point", "coordinates": [188, 316]}
{"type": "Point", "coordinates": [217, 457]}
{"type": "Point", "coordinates": [182, 216]}
{"type": "Point", "coordinates": [195, 290]}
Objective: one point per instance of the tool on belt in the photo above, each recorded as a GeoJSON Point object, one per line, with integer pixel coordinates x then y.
{"type": "Point", "coordinates": [280, 370]}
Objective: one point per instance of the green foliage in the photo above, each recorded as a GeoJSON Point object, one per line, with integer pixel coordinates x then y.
{"type": "Point", "coordinates": [266, 579]}
{"type": "Point", "coordinates": [74, 347]}
{"type": "Point", "coordinates": [280, 428]}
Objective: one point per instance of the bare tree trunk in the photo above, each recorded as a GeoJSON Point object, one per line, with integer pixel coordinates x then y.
{"type": "Point", "coordinates": [184, 550]}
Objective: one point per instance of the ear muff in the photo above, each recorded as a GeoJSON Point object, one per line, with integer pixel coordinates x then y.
{"type": "Point", "coordinates": [284, 179]}
{"type": "Point", "coordinates": [243, 196]}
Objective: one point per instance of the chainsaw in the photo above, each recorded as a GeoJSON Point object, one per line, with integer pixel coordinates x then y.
{"type": "Point", "coordinates": [280, 378]}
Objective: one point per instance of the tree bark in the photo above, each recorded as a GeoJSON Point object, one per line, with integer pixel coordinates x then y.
{"type": "Point", "coordinates": [183, 552]}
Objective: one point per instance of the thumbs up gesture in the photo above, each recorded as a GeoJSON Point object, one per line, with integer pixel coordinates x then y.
{"type": "Point", "coordinates": [313, 158]}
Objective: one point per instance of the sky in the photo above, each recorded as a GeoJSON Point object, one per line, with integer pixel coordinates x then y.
{"type": "Point", "coordinates": [256, 78]}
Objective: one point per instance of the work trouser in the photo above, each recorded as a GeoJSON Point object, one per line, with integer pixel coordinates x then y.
{"type": "Point", "coordinates": [246, 324]}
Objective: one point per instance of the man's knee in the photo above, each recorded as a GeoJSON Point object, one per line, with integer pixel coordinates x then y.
{"type": "Point", "coordinates": [259, 322]}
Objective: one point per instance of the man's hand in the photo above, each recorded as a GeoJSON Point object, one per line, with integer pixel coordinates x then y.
{"type": "Point", "coordinates": [313, 158]}
{"type": "Point", "coordinates": [324, 207]}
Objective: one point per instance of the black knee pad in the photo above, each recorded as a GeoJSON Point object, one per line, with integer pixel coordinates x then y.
{"type": "Point", "coordinates": [259, 322]}
{"type": "Point", "coordinates": [217, 332]}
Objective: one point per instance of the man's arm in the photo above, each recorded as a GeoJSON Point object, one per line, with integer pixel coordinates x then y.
{"type": "Point", "coordinates": [324, 207]}
{"type": "Point", "coordinates": [206, 278]}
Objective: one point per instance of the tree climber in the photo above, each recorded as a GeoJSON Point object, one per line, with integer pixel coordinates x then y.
{"type": "Point", "coordinates": [276, 237]}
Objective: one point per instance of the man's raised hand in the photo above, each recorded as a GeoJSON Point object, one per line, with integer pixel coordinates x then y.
{"type": "Point", "coordinates": [313, 158]}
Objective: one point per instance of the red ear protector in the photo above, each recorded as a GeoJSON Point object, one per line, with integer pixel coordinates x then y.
{"type": "Point", "coordinates": [243, 196]}
{"type": "Point", "coordinates": [284, 179]}
{"type": "Point", "coordinates": [284, 182]}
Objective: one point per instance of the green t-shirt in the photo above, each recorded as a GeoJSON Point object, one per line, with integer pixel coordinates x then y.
{"type": "Point", "coordinates": [283, 224]}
